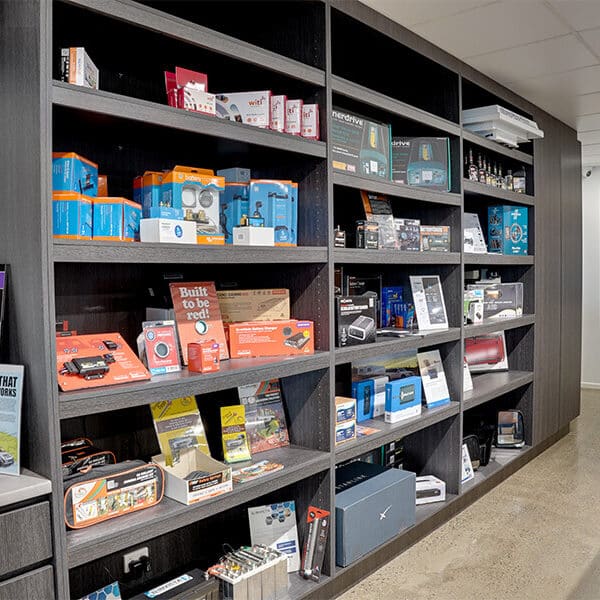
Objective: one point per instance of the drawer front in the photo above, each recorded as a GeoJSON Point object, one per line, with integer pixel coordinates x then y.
{"type": "Point", "coordinates": [38, 584]}
{"type": "Point", "coordinates": [26, 531]}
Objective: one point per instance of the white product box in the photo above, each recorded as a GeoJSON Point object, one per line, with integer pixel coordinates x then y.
{"type": "Point", "coordinates": [254, 236]}
{"type": "Point", "coordinates": [430, 489]}
{"type": "Point", "coordinates": [400, 415]}
{"type": "Point", "coordinates": [77, 68]}
{"type": "Point", "coordinates": [168, 231]}
{"type": "Point", "coordinates": [310, 121]}
{"type": "Point", "coordinates": [293, 117]}
{"type": "Point", "coordinates": [198, 100]}
{"type": "Point", "coordinates": [278, 113]}
{"type": "Point", "coordinates": [251, 108]}
{"type": "Point", "coordinates": [379, 398]}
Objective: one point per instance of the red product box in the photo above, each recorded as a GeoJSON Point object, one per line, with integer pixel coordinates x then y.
{"type": "Point", "coordinates": [271, 338]}
{"type": "Point", "coordinates": [293, 117]}
{"type": "Point", "coordinates": [310, 121]}
{"type": "Point", "coordinates": [203, 357]}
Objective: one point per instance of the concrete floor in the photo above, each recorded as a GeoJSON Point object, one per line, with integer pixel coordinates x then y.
{"type": "Point", "coordinates": [535, 536]}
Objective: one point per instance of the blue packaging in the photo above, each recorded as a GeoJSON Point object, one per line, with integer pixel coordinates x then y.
{"type": "Point", "coordinates": [132, 213]}
{"type": "Point", "coordinates": [235, 175]}
{"type": "Point", "coordinates": [108, 219]}
{"type": "Point", "coordinates": [294, 233]}
{"type": "Point", "coordinates": [71, 216]}
{"type": "Point", "coordinates": [74, 173]}
{"type": "Point", "coordinates": [391, 305]}
{"type": "Point", "coordinates": [234, 204]}
{"type": "Point", "coordinates": [364, 393]}
{"type": "Point", "coordinates": [402, 399]}
{"type": "Point", "coordinates": [151, 192]}
{"type": "Point", "coordinates": [272, 200]}
{"type": "Point", "coordinates": [507, 230]}
{"type": "Point", "coordinates": [164, 212]}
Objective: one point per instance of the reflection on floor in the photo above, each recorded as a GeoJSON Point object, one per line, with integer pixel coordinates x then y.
{"type": "Point", "coordinates": [535, 536]}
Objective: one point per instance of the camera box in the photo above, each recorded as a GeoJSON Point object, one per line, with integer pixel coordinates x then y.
{"type": "Point", "coordinates": [422, 162]}
{"type": "Point", "coordinates": [408, 234]}
{"type": "Point", "coordinates": [276, 202]}
{"type": "Point", "coordinates": [254, 236]}
{"type": "Point", "coordinates": [270, 304]}
{"type": "Point", "coordinates": [278, 113]}
{"type": "Point", "coordinates": [359, 146]}
{"type": "Point", "coordinates": [168, 231]}
{"type": "Point", "coordinates": [356, 319]}
{"type": "Point", "coordinates": [500, 300]}
{"type": "Point", "coordinates": [235, 205]}
{"type": "Point", "coordinates": [203, 357]}
{"type": "Point", "coordinates": [435, 238]}
{"type": "Point", "coordinates": [364, 394]}
{"type": "Point", "coordinates": [345, 409]}
{"type": "Point", "coordinates": [251, 108]}
{"type": "Point", "coordinates": [71, 216]}
{"type": "Point", "coordinates": [507, 230]}
{"type": "Point", "coordinates": [310, 121]}
{"type": "Point", "coordinates": [74, 173]}
{"type": "Point", "coordinates": [293, 117]}
{"type": "Point", "coordinates": [402, 399]}
{"type": "Point", "coordinates": [345, 432]}
{"type": "Point", "coordinates": [235, 175]}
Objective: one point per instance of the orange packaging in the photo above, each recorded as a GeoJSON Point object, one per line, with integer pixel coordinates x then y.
{"type": "Point", "coordinates": [102, 185]}
{"type": "Point", "coordinates": [203, 357]}
{"type": "Point", "coordinates": [270, 338]}
{"type": "Point", "coordinates": [211, 239]}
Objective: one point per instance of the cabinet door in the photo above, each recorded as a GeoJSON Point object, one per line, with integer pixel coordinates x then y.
{"type": "Point", "coordinates": [36, 584]}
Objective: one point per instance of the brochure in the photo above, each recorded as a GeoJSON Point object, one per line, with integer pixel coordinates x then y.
{"type": "Point", "coordinates": [467, 379]}
{"type": "Point", "coordinates": [467, 472]}
{"type": "Point", "coordinates": [256, 470]}
{"type": "Point", "coordinates": [11, 391]}
{"type": "Point", "coordinates": [434, 378]}
{"type": "Point", "coordinates": [428, 297]}
{"type": "Point", "coordinates": [474, 242]}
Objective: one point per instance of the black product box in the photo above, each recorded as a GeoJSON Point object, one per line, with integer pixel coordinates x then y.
{"type": "Point", "coordinates": [408, 234]}
{"type": "Point", "coordinates": [338, 281]}
{"type": "Point", "coordinates": [422, 162]}
{"type": "Point", "coordinates": [357, 285]}
{"type": "Point", "coordinates": [367, 235]}
{"type": "Point", "coordinates": [356, 319]}
{"type": "Point", "coordinates": [359, 146]}
{"type": "Point", "coordinates": [392, 454]}
{"type": "Point", "coordinates": [501, 300]}
{"type": "Point", "coordinates": [192, 585]}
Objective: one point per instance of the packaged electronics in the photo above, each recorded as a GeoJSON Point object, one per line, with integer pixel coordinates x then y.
{"type": "Point", "coordinates": [391, 305]}
{"type": "Point", "coordinates": [153, 205]}
{"type": "Point", "coordinates": [234, 206]}
{"type": "Point", "coordinates": [278, 113]}
{"type": "Point", "coordinates": [339, 238]}
{"type": "Point", "coordinates": [359, 146]}
{"type": "Point", "coordinates": [116, 219]}
{"type": "Point", "coordinates": [103, 185]}
{"type": "Point", "coordinates": [108, 592]}
{"type": "Point", "coordinates": [270, 338]}
{"type": "Point", "coordinates": [310, 121]}
{"type": "Point", "coordinates": [379, 397]}
{"type": "Point", "coordinates": [367, 235]}
{"type": "Point", "coordinates": [137, 189]}
{"type": "Point", "coordinates": [345, 432]}
{"type": "Point", "coordinates": [77, 68]}
{"type": "Point", "coordinates": [293, 117]}
{"type": "Point", "coordinates": [511, 429]}
{"type": "Point", "coordinates": [402, 399]}
{"type": "Point", "coordinates": [421, 161]}
{"type": "Point", "coordinates": [267, 304]}
{"type": "Point", "coordinates": [345, 409]}
{"type": "Point", "coordinates": [486, 353]}
{"type": "Point", "coordinates": [251, 108]}
{"type": "Point", "coordinates": [72, 216]}
{"type": "Point", "coordinates": [473, 239]}
{"type": "Point", "coordinates": [254, 236]}
{"type": "Point", "coordinates": [203, 357]}
{"type": "Point", "coordinates": [74, 173]}
{"type": "Point", "coordinates": [313, 551]}
{"type": "Point", "coordinates": [372, 505]}
{"type": "Point", "coordinates": [430, 489]}
{"type": "Point", "coordinates": [390, 455]}
{"type": "Point", "coordinates": [507, 230]}
{"type": "Point", "coordinates": [473, 307]}
{"type": "Point", "coordinates": [192, 585]}
{"type": "Point", "coordinates": [80, 455]}
{"type": "Point", "coordinates": [378, 209]}
{"type": "Point", "coordinates": [435, 238]}
{"type": "Point", "coordinates": [191, 91]}
{"type": "Point", "coordinates": [500, 300]}
{"type": "Point", "coordinates": [235, 175]}
{"type": "Point", "coordinates": [167, 230]}
{"type": "Point", "coordinates": [111, 491]}
{"type": "Point", "coordinates": [408, 234]}
{"type": "Point", "coordinates": [364, 393]}
{"type": "Point", "coordinates": [356, 319]}
{"type": "Point", "coordinates": [195, 477]}
{"type": "Point", "coordinates": [158, 347]}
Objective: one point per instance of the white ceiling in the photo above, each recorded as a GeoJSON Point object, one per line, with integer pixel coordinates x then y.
{"type": "Point", "coordinates": [547, 51]}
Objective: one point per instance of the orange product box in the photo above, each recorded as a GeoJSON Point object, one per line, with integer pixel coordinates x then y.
{"type": "Point", "coordinates": [102, 185]}
{"type": "Point", "coordinates": [203, 357]}
{"type": "Point", "coordinates": [270, 338]}
{"type": "Point", "coordinates": [210, 239]}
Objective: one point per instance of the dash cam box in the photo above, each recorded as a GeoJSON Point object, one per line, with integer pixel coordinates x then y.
{"type": "Point", "coordinates": [235, 204]}
{"type": "Point", "coordinates": [507, 230]}
{"type": "Point", "coordinates": [251, 108]}
{"type": "Point", "coordinates": [71, 216]}
{"type": "Point", "coordinates": [359, 146]}
{"type": "Point", "coordinates": [422, 162]}
{"type": "Point", "coordinates": [356, 319]}
{"type": "Point", "coordinates": [74, 173]}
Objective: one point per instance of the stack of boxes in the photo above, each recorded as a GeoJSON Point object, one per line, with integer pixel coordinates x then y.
{"type": "Point", "coordinates": [345, 419]}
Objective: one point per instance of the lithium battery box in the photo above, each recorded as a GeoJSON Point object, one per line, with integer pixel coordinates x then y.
{"type": "Point", "coordinates": [275, 202]}
{"type": "Point", "coordinates": [71, 216]}
{"type": "Point", "coordinates": [234, 205]}
{"type": "Point", "coordinates": [356, 318]}
{"type": "Point", "coordinates": [507, 230]}
{"type": "Point", "coordinates": [359, 146]}
{"type": "Point", "coordinates": [500, 300]}
{"type": "Point", "coordinates": [422, 162]}
{"type": "Point", "coordinates": [74, 173]}
{"type": "Point", "coordinates": [268, 304]}
{"type": "Point", "coordinates": [402, 399]}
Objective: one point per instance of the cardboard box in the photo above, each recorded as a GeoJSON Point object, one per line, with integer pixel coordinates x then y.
{"type": "Point", "coordinates": [345, 432]}
{"type": "Point", "coordinates": [269, 304]}
{"type": "Point", "coordinates": [422, 162]}
{"type": "Point", "coordinates": [507, 230]}
{"type": "Point", "coordinates": [254, 236]}
{"type": "Point", "coordinates": [359, 146]}
{"type": "Point", "coordinates": [364, 393]}
{"type": "Point", "coordinates": [379, 397]}
{"type": "Point", "coordinates": [235, 175]}
{"type": "Point", "coordinates": [189, 91]}
{"type": "Point", "coordinates": [153, 206]}
{"type": "Point", "coordinates": [356, 320]}
{"type": "Point", "coordinates": [430, 489]}
{"type": "Point", "coordinates": [216, 483]}
{"type": "Point", "coordinates": [310, 122]}
{"type": "Point", "coordinates": [275, 201]}
{"type": "Point", "coordinates": [402, 399]}
{"type": "Point", "coordinates": [408, 234]}
{"type": "Point", "coordinates": [164, 212]}
{"type": "Point", "coordinates": [103, 185]}
{"type": "Point", "coordinates": [345, 409]}
{"type": "Point", "coordinates": [168, 231]}
{"type": "Point", "coordinates": [132, 215]}
{"type": "Point", "coordinates": [77, 68]}
{"type": "Point", "coordinates": [74, 173]}
{"type": "Point", "coordinates": [203, 357]}
{"type": "Point", "coordinates": [500, 300]}
{"type": "Point", "coordinates": [392, 301]}
{"type": "Point", "coordinates": [137, 189]}
{"type": "Point", "coordinates": [278, 113]}
{"type": "Point", "coordinates": [270, 338]}
{"type": "Point", "coordinates": [108, 224]}
{"type": "Point", "coordinates": [367, 235]}
{"type": "Point", "coordinates": [435, 238]}
{"type": "Point", "coordinates": [293, 117]}
{"type": "Point", "coordinates": [71, 216]}
{"type": "Point", "coordinates": [235, 205]}
{"type": "Point", "coordinates": [251, 108]}
{"type": "Point", "coordinates": [473, 306]}
{"type": "Point", "coordinates": [210, 239]}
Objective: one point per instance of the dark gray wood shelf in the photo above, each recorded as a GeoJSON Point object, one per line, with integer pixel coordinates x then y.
{"type": "Point", "coordinates": [299, 587]}
{"type": "Point", "coordinates": [493, 325]}
{"type": "Point", "coordinates": [394, 257]}
{"type": "Point", "coordinates": [472, 138]}
{"type": "Point", "coordinates": [234, 372]}
{"type": "Point", "coordinates": [397, 190]}
{"type": "Point", "coordinates": [75, 251]}
{"type": "Point", "coordinates": [125, 107]}
{"type": "Point", "coordinates": [102, 539]}
{"type": "Point", "coordinates": [488, 386]}
{"type": "Point", "coordinates": [480, 189]}
{"type": "Point", "coordinates": [363, 94]}
{"type": "Point", "coordinates": [203, 37]}
{"type": "Point", "coordinates": [501, 458]}
{"type": "Point", "coordinates": [390, 345]}
{"type": "Point", "coordinates": [389, 432]}
{"type": "Point", "coordinates": [490, 258]}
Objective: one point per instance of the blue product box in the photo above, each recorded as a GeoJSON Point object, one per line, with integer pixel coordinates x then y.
{"type": "Point", "coordinates": [372, 505]}
{"type": "Point", "coordinates": [364, 393]}
{"type": "Point", "coordinates": [272, 200]}
{"type": "Point", "coordinates": [235, 175]}
{"type": "Point", "coordinates": [132, 213]}
{"type": "Point", "coordinates": [391, 305]}
{"type": "Point", "coordinates": [402, 399]}
{"type": "Point", "coordinates": [151, 192]}
{"type": "Point", "coordinates": [71, 216]}
{"type": "Point", "coordinates": [74, 173]}
{"type": "Point", "coordinates": [108, 219]}
{"type": "Point", "coordinates": [344, 432]}
{"type": "Point", "coordinates": [234, 205]}
{"type": "Point", "coordinates": [507, 230]}
{"type": "Point", "coordinates": [164, 212]}
{"type": "Point", "coordinates": [294, 233]}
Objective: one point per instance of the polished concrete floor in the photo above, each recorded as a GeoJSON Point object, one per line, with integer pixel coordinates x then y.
{"type": "Point", "coordinates": [535, 536]}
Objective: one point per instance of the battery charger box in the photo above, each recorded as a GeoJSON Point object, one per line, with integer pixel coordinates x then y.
{"type": "Point", "coordinates": [359, 146]}
{"type": "Point", "coordinates": [71, 216]}
{"type": "Point", "coordinates": [275, 201]}
{"type": "Point", "coordinates": [235, 175]}
{"type": "Point", "coordinates": [422, 162]}
{"type": "Point", "coordinates": [251, 108]}
{"type": "Point", "coordinates": [356, 319]}
{"type": "Point", "coordinates": [500, 300]}
{"type": "Point", "coordinates": [74, 173]}
{"type": "Point", "coordinates": [372, 505]}
{"type": "Point", "coordinates": [235, 204]}
{"type": "Point", "coordinates": [402, 399]}
{"type": "Point", "coordinates": [269, 304]}
{"type": "Point", "coordinates": [168, 231]}
{"type": "Point", "coordinates": [153, 206]}
{"type": "Point", "coordinates": [507, 230]}
{"type": "Point", "coordinates": [108, 219]}
{"type": "Point", "coordinates": [364, 394]}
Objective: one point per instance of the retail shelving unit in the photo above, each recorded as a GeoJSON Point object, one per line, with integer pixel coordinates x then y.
{"type": "Point", "coordinates": [308, 50]}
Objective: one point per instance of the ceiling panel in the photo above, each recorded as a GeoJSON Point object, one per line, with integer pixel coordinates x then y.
{"type": "Point", "coordinates": [592, 38]}
{"type": "Point", "coordinates": [588, 123]}
{"type": "Point", "coordinates": [588, 104]}
{"type": "Point", "coordinates": [580, 14]}
{"type": "Point", "coordinates": [589, 137]}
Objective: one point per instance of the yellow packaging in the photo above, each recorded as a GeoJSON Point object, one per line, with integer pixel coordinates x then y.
{"type": "Point", "coordinates": [235, 439]}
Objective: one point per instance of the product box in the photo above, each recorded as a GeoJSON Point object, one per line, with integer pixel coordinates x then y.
{"type": "Point", "coordinates": [108, 224]}
{"type": "Point", "coordinates": [422, 161]}
{"type": "Point", "coordinates": [500, 300]}
{"type": "Point", "coordinates": [137, 189]}
{"type": "Point", "coordinates": [234, 206]}
{"type": "Point", "coordinates": [345, 432]}
{"type": "Point", "coordinates": [158, 347]}
{"type": "Point", "coordinates": [235, 175]}
{"type": "Point", "coordinates": [103, 185]}
{"type": "Point", "coordinates": [275, 202]}
{"type": "Point", "coordinates": [473, 306]}
{"type": "Point", "coordinates": [359, 146]}
{"type": "Point", "coordinates": [435, 238]}
{"type": "Point", "coordinates": [392, 454]}
{"type": "Point", "coordinates": [77, 68]}
{"type": "Point", "coordinates": [278, 113]}
{"type": "Point", "coordinates": [310, 121]}
{"type": "Point", "coordinates": [168, 231]}
{"type": "Point", "coordinates": [251, 108]}
{"type": "Point", "coordinates": [108, 592]}
{"type": "Point", "coordinates": [372, 505]}
{"type": "Point", "coordinates": [507, 230]}
{"type": "Point", "coordinates": [402, 399]}
{"type": "Point", "coordinates": [345, 409]}
{"type": "Point", "coordinates": [203, 357]}
{"type": "Point", "coordinates": [71, 216]}
{"type": "Point", "coordinates": [210, 239]}
{"type": "Point", "coordinates": [132, 215]}
{"type": "Point", "coordinates": [379, 397]}
{"type": "Point", "coordinates": [270, 338]}
{"type": "Point", "coordinates": [356, 319]}
{"type": "Point", "coordinates": [364, 394]}
{"type": "Point", "coordinates": [192, 92]}
{"type": "Point", "coordinates": [367, 235]}
{"type": "Point", "coordinates": [293, 117]}
{"type": "Point", "coordinates": [391, 304]}
{"type": "Point", "coordinates": [164, 212]}
{"type": "Point", "coordinates": [254, 236]}
{"type": "Point", "coordinates": [269, 304]}
{"type": "Point", "coordinates": [74, 173]}
{"type": "Point", "coordinates": [430, 489]}
{"type": "Point", "coordinates": [408, 234]}
{"type": "Point", "coordinates": [192, 585]}
{"type": "Point", "coordinates": [215, 482]}
{"type": "Point", "coordinates": [153, 206]}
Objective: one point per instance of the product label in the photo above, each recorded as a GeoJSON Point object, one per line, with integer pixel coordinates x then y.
{"type": "Point", "coordinates": [170, 585]}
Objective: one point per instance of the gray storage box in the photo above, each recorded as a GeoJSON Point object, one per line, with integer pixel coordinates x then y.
{"type": "Point", "coordinates": [372, 505]}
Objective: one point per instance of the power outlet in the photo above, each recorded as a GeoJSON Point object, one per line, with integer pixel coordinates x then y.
{"type": "Point", "coordinates": [133, 556]}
